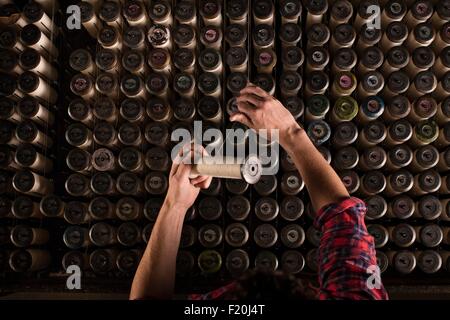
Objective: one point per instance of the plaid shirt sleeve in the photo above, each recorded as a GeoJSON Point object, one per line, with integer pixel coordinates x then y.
{"type": "Point", "coordinates": [346, 251]}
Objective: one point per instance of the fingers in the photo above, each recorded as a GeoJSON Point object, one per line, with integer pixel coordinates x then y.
{"type": "Point", "coordinates": [183, 154]}
{"type": "Point", "coordinates": [252, 89]}
{"type": "Point", "coordinates": [249, 98]}
{"type": "Point", "coordinates": [242, 118]}
{"type": "Point", "coordinates": [183, 170]}
{"type": "Point", "coordinates": [205, 184]}
{"type": "Point", "coordinates": [201, 182]}
{"type": "Point", "coordinates": [246, 108]}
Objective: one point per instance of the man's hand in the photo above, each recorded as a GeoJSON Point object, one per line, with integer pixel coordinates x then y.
{"type": "Point", "coordinates": [183, 191]}
{"type": "Point", "coordinates": [259, 110]}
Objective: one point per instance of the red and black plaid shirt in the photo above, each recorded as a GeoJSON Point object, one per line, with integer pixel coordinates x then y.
{"type": "Point", "coordinates": [345, 254]}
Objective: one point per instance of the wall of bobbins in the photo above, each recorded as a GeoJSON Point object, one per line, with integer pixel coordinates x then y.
{"type": "Point", "coordinates": [86, 117]}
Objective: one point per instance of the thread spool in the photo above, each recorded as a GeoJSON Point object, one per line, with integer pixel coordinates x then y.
{"type": "Point", "coordinates": [379, 233]}
{"type": "Point", "coordinates": [185, 13]}
{"type": "Point", "coordinates": [423, 58]}
{"type": "Point", "coordinates": [430, 235]}
{"type": "Point", "coordinates": [35, 86]}
{"type": "Point", "coordinates": [237, 11]}
{"type": "Point", "coordinates": [396, 33]}
{"type": "Point", "coordinates": [105, 110]}
{"type": "Point", "coordinates": [160, 12]}
{"type": "Point", "coordinates": [400, 207]}
{"type": "Point", "coordinates": [372, 183]}
{"type": "Point", "coordinates": [345, 133]}
{"type": "Point", "coordinates": [376, 207]}
{"type": "Point", "coordinates": [443, 139]}
{"type": "Point", "coordinates": [157, 133]}
{"type": "Point", "coordinates": [444, 161]}
{"type": "Point", "coordinates": [350, 179]}
{"type": "Point", "coordinates": [209, 84]}
{"type": "Point", "coordinates": [317, 58]}
{"type": "Point", "coordinates": [403, 235]}
{"type": "Point", "coordinates": [363, 14]}
{"type": "Point", "coordinates": [397, 108]}
{"type": "Point", "coordinates": [345, 109]}
{"type": "Point", "coordinates": [290, 83]}
{"type": "Point", "coordinates": [426, 182]}
{"type": "Point", "coordinates": [428, 208]}
{"type": "Point", "coordinates": [344, 59]}
{"type": "Point", "coordinates": [402, 261]}
{"type": "Point", "coordinates": [371, 109]}
{"type": "Point", "coordinates": [372, 134]}
{"type": "Point", "coordinates": [442, 39]}
{"type": "Point", "coordinates": [445, 185]}
{"type": "Point", "coordinates": [24, 207]}
{"type": "Point", "coordinates": [132, 110]}
{"type": "Point", "coordinates": [398, 183]}
{"type": "Point", "coordinates": [135, 13]}
{"type": "Point", "coordinates": [52, 206]}
{"type": "Point", "coordinates": [341, 12]}
{"type": "Point", "coordinates": [29, 260]}
{"type": "Point", "coordinates": [398, 132]}
{"type": "Point", "coordinates": [393, 11]}
{"type": "Point", "coordinates": [30, 183]}
{"type": "Point", "coordinates": [343, 36]}
{"type": "Point", "coordinates": [317, 35]}
{"type": "Point", "coordinates": [425, 132]}
{"type": "Point", "coordinates": [419, 12]}
{"type": "Point", "coordinates": [10, 39]}
{"type": "Point", "coordinates": [265, 60]}
{"type": "Point", "coordinates": [345, 158]}
{"type": "Point", "coordinates": [108, 60]}
{"type": "Point", "coordinates": [263, 12]}
{"type": "Point", "coordinates": [290, 11]}
{"type": "Point", "coordinates": [429, 261]}
{"type": "Point", "coordinates": [343, 85]}
{"type": "Point", "coordinates": [398, 157]}
{"type": "Point", "coordinates": [316, 84]}
{"type": "Point", "coordinates": [77, 185]}
{"type": "Point", "coordinates": [424, 158]}
{"type": "Point", "coordinates": [100, 208]}
{"type": "Point", "coordinates": [128, 209]}
{"type": "Point", "coordinates": [250, 170]}
{"type": "Point", "coordinates": [315, 12]}
{"type": "Point", "coordinates": [397, 58]}
{"type": "Point", "coordinates": [160, 61]}
{"type": "Point", "coordinates": [263, 37]}
{"type": "Point", "coordinates": [367, 37]}
{"type": "Point", "coordinates": [211, 37]}
{"type": "Point", "coordinates": [184, 85]}
{"type": "Point", "coordinates": [33, 37]}
{"type": "Point", "coordinates": [373, 158]}
{"type": "Point", "coordinates": [266, 82]}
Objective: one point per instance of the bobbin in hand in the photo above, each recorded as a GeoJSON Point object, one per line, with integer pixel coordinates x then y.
{"type": "Point", "coordinates": [182, 190]}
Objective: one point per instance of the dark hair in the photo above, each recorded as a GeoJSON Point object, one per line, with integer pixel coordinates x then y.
{"type": "Point", "coordinates": [268, 285]}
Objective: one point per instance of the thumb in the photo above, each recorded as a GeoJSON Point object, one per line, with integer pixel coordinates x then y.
{"type": "Point", "coordinates": [184, 170]}
{"type": "Point", "coordinates": [242, 118]}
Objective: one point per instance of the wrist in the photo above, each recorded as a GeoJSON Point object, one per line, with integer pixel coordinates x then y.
{"type": "Point", "coordinates": [174, 207]}
{"type": "Point", "coordinates": [292, 136]}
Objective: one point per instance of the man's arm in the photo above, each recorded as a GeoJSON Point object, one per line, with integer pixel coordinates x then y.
{"type": "Point", "coordinates": [346, 249]}
{"type": "Point", "coordinates": [155, 275]}
{"type": "Point", "coordinates": [323, 184]}
{"type": "Point", "coordinates": [259, 110]}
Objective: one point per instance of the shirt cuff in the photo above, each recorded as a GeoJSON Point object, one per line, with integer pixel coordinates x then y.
{"type": "Point", "coordinates": [331, 210]}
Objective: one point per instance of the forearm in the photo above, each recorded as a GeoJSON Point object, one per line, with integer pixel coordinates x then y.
{"type": "Point", "coordinates": [321, 181]}
{"type": "Point", "coordinates": [155, 276]}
